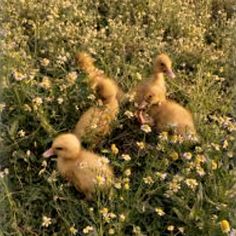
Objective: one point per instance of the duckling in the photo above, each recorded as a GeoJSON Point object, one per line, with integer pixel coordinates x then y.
{"type": "Point", "coordinates": [162, 65]}
{"type": "Point", "coordinates": [96, 122]}
{"type": "Point", "coordinates": [97, 77]}
{"type": "Point", "coordinates": [86, 170]}
{"type": "Point", "coordinates": [165, 114]}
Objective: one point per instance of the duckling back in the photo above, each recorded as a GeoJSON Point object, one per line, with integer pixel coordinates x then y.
{"type": "Point", "coordinates": [96, 122]}
{"type": "Point", "coordinates": [172, 116]}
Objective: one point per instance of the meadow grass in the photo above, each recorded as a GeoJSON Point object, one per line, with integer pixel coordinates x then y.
{"type": "Point", "coordinates": [168, 187]}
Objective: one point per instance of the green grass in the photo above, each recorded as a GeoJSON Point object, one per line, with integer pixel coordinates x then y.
{"type": "Point", "coordinates": [123, 37]}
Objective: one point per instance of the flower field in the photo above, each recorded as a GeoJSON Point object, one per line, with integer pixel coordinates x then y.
{"type": "Point", "coordinates": [163, 185]}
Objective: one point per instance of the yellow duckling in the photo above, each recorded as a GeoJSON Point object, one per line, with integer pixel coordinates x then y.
{"type": "Point", "coordinates": [162, 65]}
{"type": "Point", "coordinates": [96, 122]}
{"type": "Point", "coordinates": [86, 170]}
{"type": "Point", "coordinates": [164, 114]}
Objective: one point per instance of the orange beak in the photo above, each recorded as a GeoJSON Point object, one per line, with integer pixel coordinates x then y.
{"type": "Point", "coordinates": [141, 117]}
{"type": "Point", "coordinates": [142, 105]}
{"type": "Point", "coordinates": [170, 74]}
{"type": "Point", "coordinates": [48, 153]}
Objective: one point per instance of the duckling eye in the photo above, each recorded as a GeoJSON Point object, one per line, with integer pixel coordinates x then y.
{"type": "Point", "coordinates": [148, 98]}
{"type": "Point", "coordinates": [58, 148]}
{"type": "Point", "coordinates": [162, 64]}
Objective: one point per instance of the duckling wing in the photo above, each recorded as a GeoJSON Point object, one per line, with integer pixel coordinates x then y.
{"type": "Point", "coordinates": [93, 171]}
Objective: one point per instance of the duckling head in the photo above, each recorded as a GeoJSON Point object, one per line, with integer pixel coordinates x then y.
{"type": "Point", "coordinates": [106, 91]}
{"type": "Point", "coordinates": [66, 146]}
{"type": "Point", "coordinates": [153, 96]}
{"type": "Point", "coordinates": [85, 61]}
{"type": "Point", "coordinates": [163, 64]}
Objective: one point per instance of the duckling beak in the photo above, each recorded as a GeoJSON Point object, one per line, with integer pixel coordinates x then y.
{"type": "Point", "coordinates": [48, 153]}
{"type": "Point", "coordinates": [141, 117]}
{"type": "Point", "coordinates": [142, 105]}
{"type": "Point", "coordinates": [170, 74]}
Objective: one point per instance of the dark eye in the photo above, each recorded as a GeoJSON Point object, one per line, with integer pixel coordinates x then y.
{"type": "Point", "coordinates": [162, 64]}
{"type": "Point", "coordinates": [58, 148]}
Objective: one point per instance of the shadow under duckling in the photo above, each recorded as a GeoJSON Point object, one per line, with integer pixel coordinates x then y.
{"type": "Point", "coordinates": [86, 170]}
{"type": "Point", "coordinates": [166, 115]}
{"type": "Point", "coordinates": [162, 65]}
{"type": "Point", "coordinates": [97, 77]}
